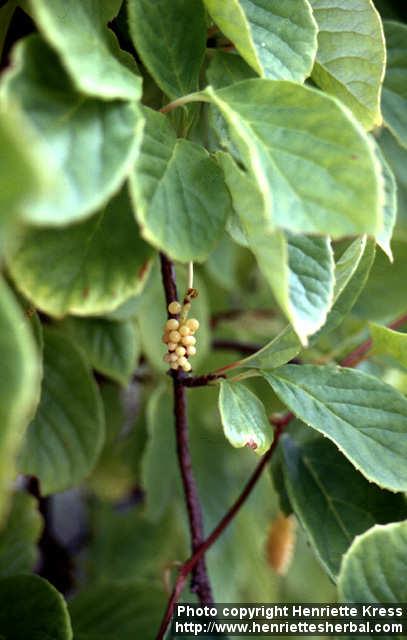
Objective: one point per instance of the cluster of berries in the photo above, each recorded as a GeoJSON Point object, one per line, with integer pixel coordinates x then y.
{"type": "Point", "coordinates": [179, 337]}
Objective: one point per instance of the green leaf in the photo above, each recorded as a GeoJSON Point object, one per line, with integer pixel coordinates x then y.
{"type": "Point", "coordinates": [179, 195]}
{"type": "Point", "coordinates": [396, 156]}
{"type": "Point", "coordinates": [126, 611]}
{"type": "Point", "coordinates": [32, 608]}
{"type": "Point", "coordinates": [278, 40]}
{"type": "Point", "coordinates": [394, 102]}
{"type": "Point", "coordinates": [88, 49]}
{"type": "Point", "coordinates": [390, 206]}
{"type": "Point", "coordinates": [351, 56]}
{"type": "Point", "coordinates": [18, 540]}
{"type": "Point", "coordinates": [6, 14]}
{"type": "Point", "coordinates": [375, 566]}
{"type": "Point", "coordinates": [305, 176]}
{"type": "Point", "coordinates": [362, 415]}
{"type": "Point", "coordinates": [170, 39]}
{"type": "Point", "coordinates": [112, 348]}
{"type": "Point", "coordinates": [390, 343]}
{"type": "Point", "coordinates": [227, 68]}
{"type": "Point", "coordinates": [87, 145]}
{"type": "Point", "coordinates": [275, 353]}
{"type": "Point", "coordinates": [19, 386]}
{"type": "Point", "coordinates": [333, 502]}
{"type": "Point", "coordinates": [66, 436]}
{"type": "Point", "coordinates": [244, 419]}
{"type": "Point", "coordinates": [88, 268]}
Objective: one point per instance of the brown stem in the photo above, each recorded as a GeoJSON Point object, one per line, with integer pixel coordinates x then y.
{"type": "Point", "coordinates": [357, 355]}
{"type": "Point", "coordinates": [200, 582]}
{"type": "Point", "coordinates": [189, 565]}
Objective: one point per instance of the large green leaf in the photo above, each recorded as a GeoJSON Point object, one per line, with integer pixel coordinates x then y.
{"type": "Point", "coordinates": [394, 103]}
{"type": "Point", "coordinates": [351, 55]}
{"type": "Point", "coordinates": [276, 352]}
{"type": "Point", "coordinates": [87, 145]}
{"type": "Point", "coordinates": [375, 567]}
{"type": "Point", "coordinates": [32, 608]}
{"type": "Point", "coordinates": [226, 68]}
{"type": "Point", "coordinates": [88, 268]}
{"type": "Point", "coordinates": [88, 49]}
{"type": "Point", "coordinates": [363, 416]}
{"type": "Point", "coordinates": [332, 500]}
{"type": "Point", "coordinates": [389, 343]}
{"type": "Point", "coordinates": [179, 195]}
{"type": "Point", "coordinates": [18, 540]}
{"type": "Point", "coordinates": [390, 206]}
{"type": "Point", "coordinates": [277, 39]}
{"type": "Point", "coordinates": [396, 156]}
{"type": "Point", "coordinates": [65, 438]}
{"type": "Point", "coordinates": [310, 166]}
{"type": "Point", "coordinates": [170, 38]}
{"type": "Point", "coordinates": [19, 386]}
{"type": "Point", "coordinates": [244, 418]}
{"type": "Point", "coordinates": [128, 610]}
{"type": "Point", "coordinates": [111, 347]}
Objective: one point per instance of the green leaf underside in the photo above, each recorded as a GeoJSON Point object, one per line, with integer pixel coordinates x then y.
{"type": "Point", "coordinates": [32, 608]}
{"type": "Point", "coordinates": [310, 166]}
{"type": "Point", "coordinates": [390, 343]}
{"type": "Point", "coordinates": [390, 206]}
{"type": "Point", "coordinates": [351, 56]}
{"type": "Point", "coordinates": [364, 417]}
{"type": "Point", "coordinates": [88, 49]}
{"type": "Point", "coordinates": [87, 145]}
{"type": "Point", "coordinates": [244, 418]}
{"type": "Point", "coordinates": [18, 540]}
{"type": "Point", "coordinates": [394, 103]}
{"type": "Point", "coordinates": [278, 40]}
{"type": "Point", "coordinates": [129, 610]}
{"type": "Point", "coordinates": [65, 438]}
{"type": "Point", "coordinates": [375, 567]}
{"type": "Point", "coordinates": [19, 384]}
{"type": "Point", "coordinates": [89, 268]}
{"type": "Point", "coordinates": [332, 500]}
{"type": "Point", "coordinates": [179, 194]}
{"type": "Point", "coordinates": [351, 272]}
{"type": "Point", "coordinates": [111, 347]}
{"type": "Point", "coordinates": [170, 39]}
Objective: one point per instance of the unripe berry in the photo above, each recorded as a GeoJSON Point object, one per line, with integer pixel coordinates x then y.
{"type": "Point", "coordinates": [182, 361]}
{"type": "Point", "coordinates": [173, 357]}
{"type": "Point", "coordinates": [191, 350]}
{"type": "Point", "coordinates": [174, 336]}
{"type": "Point", "coordinates": [180, 351]}
{"type": "Point", "coordinates": [172, 324]}
{"type": "Point", "coordinates": [187, 366]}
{"type": "Point", "coordinates": [165, 338]}
{"type": "Point", "coordinates": [172, 346]}
{"type": "Point", "coordinates": [186, 308]}
{"type": "Point", "coordinates": [166, 358]}
{"type": "Point", "coordinates": [193, 325]}
{"type": "Point", "coordinates": [174, 365]}
{"type": "Point", "coordinates": [174, 307]}
{"type": "Point", "coordinates": [188, 341]}
{"type": "Point", "coordinates": [184, 330]}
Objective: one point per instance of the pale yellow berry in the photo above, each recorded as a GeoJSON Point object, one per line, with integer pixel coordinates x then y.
{"type": "Point", "coordinates": [165, 338]}
{"type": "Point", "coordinates": [173, 357]}
{"type": "Point", "coordinates": [174, 308]}
{"type": "Point", "coordinates": [172, 346]}
{"type": "Point", "coordinates": [174, 365]}
{"type": "Point", "coordinates": [184, 330]}
{"type": "Point", "coordinates": [191, 350]}
{"type": "Point", "coordinates": [180, 351]}
{"type": "Point", "coordinates": [187, 366]}
{"type": "Point", "coordinates": [186, 308]}
{"type": "Point", "coordinates": [188, 341]}
{"type": "Point", "coordinates": [182, 361]}
{"type": "Point", "coordinates": [166, 358]}
{"type": "Point", "coordinates": [172, 324]}
{"type": "Point", "coordinates": [174, 336]}
{"type": "Point", "coordinates": [193, 324]}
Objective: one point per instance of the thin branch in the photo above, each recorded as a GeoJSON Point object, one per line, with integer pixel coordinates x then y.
{"type": "Point", "coordinates": [189, 565]}
{"type": "Point", "coordinates": [200, 582]}
{"type": "Point", "coordinates": [245, 348]}
{"type": "Point", "coordinates": [359, 354]}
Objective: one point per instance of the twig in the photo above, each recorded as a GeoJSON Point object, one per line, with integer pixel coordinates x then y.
{"type": "Point", "coordinates": [200, 582]}
{"type": "Point", "coordinates": [235, 345]}
{"type": "Point", "coordinates": [189, 565]}
{"type": "Point", "coordinates": [357, 355]}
